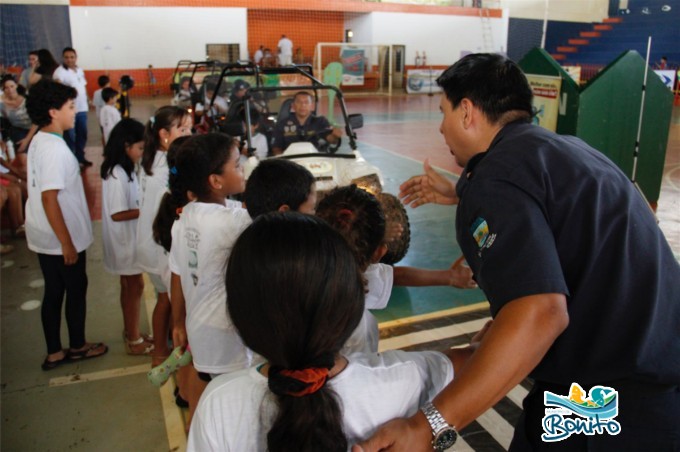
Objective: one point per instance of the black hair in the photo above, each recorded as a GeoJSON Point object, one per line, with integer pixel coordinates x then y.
{"type": "Point", "coordinates": [127, 132]}
{"type": "Point", "coordinates": [162, 223]}
{"type": "Point", "coordinates": [358, 216]}
{"type": "Point", "coordinates": [6, 78]}
{"type": "Point", "coordinates": [295, 296]}
{"type": "Point", "coordinates": [46, 63]}
{"type": "Point", "coordinates": [69, 49]}
{"type": "Point", "coordinates": [47, 95]}
{"type": "Point", "coordinates": [33, 52]}
{"type": "Point", "coordinates": [275, 182]}
{"type": "Point", "coordinates": [303, 93]}
{"type": "Point", "coordinates": [190, 166]}
{"type": "Point", "coordinates": [108, 94]}
{"type": "Point", "coordinates": [164, 118]}
{"type": "Point", "coordinates": [492, 82]}
{"type": "Point", "coordinates": [103, 80]}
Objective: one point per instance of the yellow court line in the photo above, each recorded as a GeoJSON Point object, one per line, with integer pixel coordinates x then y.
{"type": "Point", "coordinates": [101, 375]}
{"type": "Point", "coordinates": [434, 315]}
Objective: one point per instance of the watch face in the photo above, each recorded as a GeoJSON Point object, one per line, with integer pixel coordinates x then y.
{"type": "Point", "coordinates": [445, 439]}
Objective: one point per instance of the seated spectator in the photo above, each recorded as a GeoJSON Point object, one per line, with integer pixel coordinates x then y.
{"type": "Point", "coordinates": [304, 126]}
{"type": "Point", "coordinates": [24, 80]}
{"type": "Point", "coordinates": [220, 105]}
{"type": "Point", "coordinates": [13, 108]}
{"type": "Point", "coordinates": [183, 97]}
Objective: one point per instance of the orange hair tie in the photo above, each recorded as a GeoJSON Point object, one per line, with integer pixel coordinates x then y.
{"type": "Point", "coordinates": [178, 211]}
{"type": "Point", "coordinates": [315, 377]}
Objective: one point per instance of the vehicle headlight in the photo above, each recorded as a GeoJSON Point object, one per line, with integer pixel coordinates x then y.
{"type": "Point", "coordinates": [370, 183]}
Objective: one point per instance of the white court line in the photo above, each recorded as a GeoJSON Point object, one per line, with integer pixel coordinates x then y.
{"type": "Point", "coordinates": [102, 375]}
{"type": "Point", "coordinates": [497, 426]}
{"type": "Point", "coordinates": [435, 334]}
{"type": "Point", "coordinates": [517, 395]}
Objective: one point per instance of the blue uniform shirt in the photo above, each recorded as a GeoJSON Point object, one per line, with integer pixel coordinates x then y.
{"type": "Point", "coordinates": [315, 130]}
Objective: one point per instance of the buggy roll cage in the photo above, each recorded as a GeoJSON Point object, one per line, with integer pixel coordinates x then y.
{"type": "Point", "coordinates": [305, 70]}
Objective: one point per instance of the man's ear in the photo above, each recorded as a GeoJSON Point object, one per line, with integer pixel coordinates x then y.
{"type": "Point", "coordinates": [468, 109]}
{"type": "Point", "coordinates": [379, 253]}
{"type": "Point", "coordinates": [283, 208]}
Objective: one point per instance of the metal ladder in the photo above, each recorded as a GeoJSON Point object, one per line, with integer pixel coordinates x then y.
{"type": "Point", "coordinates": [487, 33]}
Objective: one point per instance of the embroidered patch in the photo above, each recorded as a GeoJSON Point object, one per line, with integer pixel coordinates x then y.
{"type": "Point", "coordinates": [480, 231]}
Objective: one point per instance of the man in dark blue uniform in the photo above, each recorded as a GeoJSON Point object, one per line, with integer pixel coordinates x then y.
{"type": "Point", "coordinates": [304, 126]}
{"type": "Point", "coordinates": [583, 287]}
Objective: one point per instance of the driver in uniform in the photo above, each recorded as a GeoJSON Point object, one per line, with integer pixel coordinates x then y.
{"type": "Point", "coordinates": [304, 126]}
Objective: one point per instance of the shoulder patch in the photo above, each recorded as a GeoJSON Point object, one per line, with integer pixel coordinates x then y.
{"type": "Point", "coordinates": [480, 231]}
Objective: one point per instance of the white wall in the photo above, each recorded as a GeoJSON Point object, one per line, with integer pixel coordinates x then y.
{"type": "Point", "coordinates": [125, 38]}
{"type": "Point", "coordinates": [563, 10]}
{"type": "Point", "coordinates": [442, 37]}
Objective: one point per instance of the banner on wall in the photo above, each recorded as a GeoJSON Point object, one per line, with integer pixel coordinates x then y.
{"type": "Point", "coordinates": [546, 101]}
{"type": "Point", "coordinates": [423, 81]}
{"type": "Point", "coordinates": [667, 77]}
{"type": "Point", "coordinates": [574, 72]}
{"type": "Point", "coordinates": [352, 66]}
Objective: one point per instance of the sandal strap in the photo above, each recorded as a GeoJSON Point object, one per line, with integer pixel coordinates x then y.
{"type": "Point", "coordinates": [137, 341]}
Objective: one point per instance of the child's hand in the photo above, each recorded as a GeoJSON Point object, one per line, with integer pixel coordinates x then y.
{"type": "Point", "coordinates": [477, 338]}
{"type": "Point", "coordinates": [179, 337]}
{"type": "Point", "coordinates": [70, 254]}
{"type": "Point", "coordinates": [461, 275]}
{"type": "Point", "coordinates": [393, 231]}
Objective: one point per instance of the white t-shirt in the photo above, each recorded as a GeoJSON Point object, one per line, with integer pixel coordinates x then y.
{"type": "Point", "coordinates": [285, 46]}
{"type": "Point", "coordinates": [151, 257]}
{"type": "Point", "coordinates": [257, 57]}
{"type": "Point", "coordinates": [52, 166]}
{"type": "Point", "coordinates": [236, 410]}
{"type": "Point", "coordinates": [98, 101]}
{"type": "Point", "coordinates": [259, 142]}
{"type": "Point", "coordinates": [202, 239]}
{"type": "Point", "coordinates": [109, 116]}
{"type": "Point", "coordinates": [119, 194]}
{"type": "Point", "coordinates": [76, 79]}
{"type": "Point", "coordinates": [380, 278]}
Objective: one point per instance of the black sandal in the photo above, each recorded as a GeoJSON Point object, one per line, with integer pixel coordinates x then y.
{"type": "Point", "coordinates": [49, 365]}
{"type": "Point", "coordinates": [81, 355]}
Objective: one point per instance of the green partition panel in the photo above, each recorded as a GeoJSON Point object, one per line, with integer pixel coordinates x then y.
{"type": "Point", "coordinates": [538, 61]}
{"type": "Point", "coordinates": [608, 116]}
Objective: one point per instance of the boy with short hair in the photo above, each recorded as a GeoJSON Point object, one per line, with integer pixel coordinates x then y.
{"type": "Point", "coordinates": [104, 82]}
{"type": "Point", "coordinates": [109, 116]}
{"type": "Point", "coordinates": [58, 224]}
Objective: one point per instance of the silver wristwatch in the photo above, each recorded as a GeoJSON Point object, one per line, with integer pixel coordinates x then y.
{"type": "Point", "coordinates": [443, 434]}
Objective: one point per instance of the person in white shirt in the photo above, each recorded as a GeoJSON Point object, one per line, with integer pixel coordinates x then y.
{"type": "Point", "coordinates": [104, 82]}
{"type": "Point", "coordinates": [296, 293]}
{"type": "Point", "coordinates": [58, 224]}
{"type": "Point", "coordinates": [109, 115]}
{"type": "Point", "coordinates": [165, 126]}
{"type": "Point", "coordinates": [359, 217]}
{"type": "Point", "coordinates": [285, 46]}
{"type": "Point", "coordinates": [258, 55]}
{"type": "Point", "coordinates": [207, 168]}
{"type": "Point", "coordinates": [70, 74]}
{"type": "Point", "coordinates": [120, 210]}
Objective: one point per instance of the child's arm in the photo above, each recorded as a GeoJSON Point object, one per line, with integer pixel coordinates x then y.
{"type": "Point", "coordinates": [459, 356]}
{"type": "Point", "coordinates": [56, 219]}
{"type": "Point", "coordinates": [179, 313]}
{"type": "Point", "coordinates": [458, 275]}
{"type": "Point", "coordinates": [125, 215]}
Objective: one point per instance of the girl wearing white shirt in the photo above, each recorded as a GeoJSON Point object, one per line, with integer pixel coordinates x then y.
{"type": "Point", "coordinates": [296, 293]}
{"type": "Point", "coordinates": [120, 210]}
{"type": "Point", "coordinates": [167, 124]}
{"type": "Point", "coordinates": [58, 224]}
{"type": "Point", "coordinates": [207, 166]}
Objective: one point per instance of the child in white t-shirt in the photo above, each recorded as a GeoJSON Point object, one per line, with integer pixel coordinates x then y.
{"type": "Point", "coordinates": [359, 217]}
{"type": "Point", "coordinates": [296, 293]}
{"type": "Point", "coordinates": [109, 115]}
{"type": "Point", "coordinates": [166, 125]}
{"type": "Point", "coordinates": [120, 210]}
{"type": "Point", "coordinates": [207, 168]}
{"type": "Point", "coordinates": [58, 224]}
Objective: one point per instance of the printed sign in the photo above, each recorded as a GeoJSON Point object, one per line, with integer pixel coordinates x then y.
{"type": "Point", "coordinates": [423, 81]}
{"type": "Point", "coordinates": [667, 77]}
{"type": "Point", "coordinates": [352, 66]}
{"type": "Point", "coordinates": [546, 99]}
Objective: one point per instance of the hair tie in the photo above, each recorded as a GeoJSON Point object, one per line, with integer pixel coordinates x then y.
{"type": "Point", "coordinates": [152, 120]}
{"type": "Point", "coordinates": [178, 211]}
{"type": "Point", "coordinates": [173, 171]}
{"type": "Point", "coordinates": [297, 383]}
{"type": "Point", "coordinates": [345, 217]}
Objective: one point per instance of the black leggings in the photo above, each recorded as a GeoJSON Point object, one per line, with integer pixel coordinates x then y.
{"type": "Point", "coordinates": [60, 278]}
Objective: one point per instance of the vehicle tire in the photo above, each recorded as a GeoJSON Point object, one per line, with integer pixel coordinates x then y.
{"type": "Point", "coordinates": [395, 213]}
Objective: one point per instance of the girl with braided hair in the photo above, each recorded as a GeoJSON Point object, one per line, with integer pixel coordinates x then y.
{"type": "Point", "coordinates": [296, 294]}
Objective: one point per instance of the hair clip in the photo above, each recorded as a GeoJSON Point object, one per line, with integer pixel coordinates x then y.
{"type": "Point", "coordinates": [152, 120]}
{"type": "Point", "coordinates": [173, 170]}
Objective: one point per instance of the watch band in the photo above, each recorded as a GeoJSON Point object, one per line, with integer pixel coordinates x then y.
{"type": "Point", "coordinates": [444, 435]}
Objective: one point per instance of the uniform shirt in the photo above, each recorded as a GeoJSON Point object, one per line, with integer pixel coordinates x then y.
{"type": "Point", "coordinates": [202, 239]}
{"type": "Point", "coordinates": [98, 102]}
{"type": "Point", "coordinates": [545, 213]}
{"type": "Point", "coordinates": [151, 257]}
{"type": "Point", "coordinates": [52, 166]}
{"type": "Point", "coordinates": [380, 279]}
{"type": "Point", "coordinates": [109, 116]}
{"type": "Point", "coordinates": [315, 130]}
{"type": "Point", "coordinates": [74, 78]}
{"type": "Point", "coordinates": [119, 194]}
{"type": "Point", "coordinates": [237, 410]}
{"type": "Point", "coordinates": [286, 46]}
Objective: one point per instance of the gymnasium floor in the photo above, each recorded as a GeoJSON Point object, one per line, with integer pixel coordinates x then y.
{"type": "Point", "coordinates": [107, 404]}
